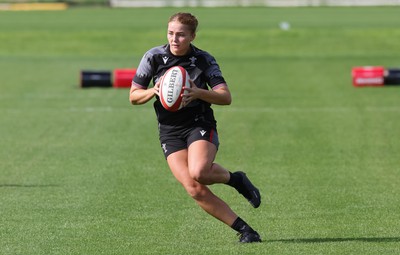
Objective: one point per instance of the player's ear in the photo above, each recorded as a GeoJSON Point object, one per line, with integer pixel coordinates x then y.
{"type": "Point", "coordinates": [193, 37]}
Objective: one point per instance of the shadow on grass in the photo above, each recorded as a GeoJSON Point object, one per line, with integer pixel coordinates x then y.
{"type": "Point", "coordinates": [339, 239]}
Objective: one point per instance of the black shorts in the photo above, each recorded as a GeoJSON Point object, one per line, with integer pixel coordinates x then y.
{"type": "Point", "coordinates": [176, 139]}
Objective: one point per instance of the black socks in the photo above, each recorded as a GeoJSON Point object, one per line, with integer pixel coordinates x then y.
{"type": "Point", "coordinates": [236, 181]}
{"type": "Point", "coordinates": [241, 226]}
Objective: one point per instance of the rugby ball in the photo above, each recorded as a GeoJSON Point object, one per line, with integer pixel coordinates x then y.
{"type": "Point", "coordinates": [172, 87]}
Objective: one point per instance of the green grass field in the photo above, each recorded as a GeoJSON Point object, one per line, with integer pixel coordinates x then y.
{"type": "Point", "coordinates": [82, 171]}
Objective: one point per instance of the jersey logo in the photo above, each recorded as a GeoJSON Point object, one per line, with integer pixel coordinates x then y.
{"type": "Point", "coordinates": [192, 60]}
{"type": "Point", "coordinates": [203, 132]}
{"type": "Point", "coordinates": [165, 59]}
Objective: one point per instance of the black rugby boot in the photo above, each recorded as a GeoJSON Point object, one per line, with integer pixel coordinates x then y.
{"type": "Point", "coordinates": [249, 236]}
{"type": "Point", "coordinates": [249, 191]}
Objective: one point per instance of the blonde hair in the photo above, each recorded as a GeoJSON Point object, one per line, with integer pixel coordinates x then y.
{"type": "Point", "coordinates": [187, 19]}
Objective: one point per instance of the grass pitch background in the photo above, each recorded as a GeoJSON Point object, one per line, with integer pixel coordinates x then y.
{"type": "Point", "coordinates": [82, 171]}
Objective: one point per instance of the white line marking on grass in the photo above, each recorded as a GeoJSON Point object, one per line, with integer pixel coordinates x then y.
{"type": "Point", "coordinates": [286, 109]}
{"type": "Point", "coordinates": [383, 109]}
{"type": "Point", "coordinates": [217, 109]}
{"type": "Point", "coordinates": [93, 109]}
{"type": "Point", "coordinates": [108, 109]}
{"type": "Point", "coordinates": [307, 109]}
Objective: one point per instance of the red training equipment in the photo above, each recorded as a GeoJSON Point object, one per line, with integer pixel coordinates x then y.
{"type": "Point", "coordinates": [368, 76]}
{"type": "Point", "coordinates": [123, 77]}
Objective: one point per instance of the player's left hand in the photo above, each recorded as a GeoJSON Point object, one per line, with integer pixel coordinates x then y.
{"type": "Point", "coordinates": [191, 93]}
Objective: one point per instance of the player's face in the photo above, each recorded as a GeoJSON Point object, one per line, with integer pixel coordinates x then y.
{"type": "Point", "coordinates": [179, 38]}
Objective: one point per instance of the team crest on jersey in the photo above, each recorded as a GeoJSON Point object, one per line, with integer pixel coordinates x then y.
{"type": "Point", "coordinates": [193, 60]}
{"type": "Point", "coordinates": [165, 59]}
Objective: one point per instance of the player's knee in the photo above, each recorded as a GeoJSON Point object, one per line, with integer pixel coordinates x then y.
{"type": "Point", "coordinates": [201, 176]}
{"type": "Point", "coordinates": [196, 191]}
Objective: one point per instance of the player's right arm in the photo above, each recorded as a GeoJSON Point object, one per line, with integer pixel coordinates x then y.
{"type": "Point", "coordinates": [140, 92]}
{"type": "Point", "coordinates": [141, 95]}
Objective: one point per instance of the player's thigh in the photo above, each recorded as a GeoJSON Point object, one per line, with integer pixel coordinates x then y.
{"type": "Point", "coordinates": [178, 164]}
{"type": "Point", "coordinates": [201, 155]}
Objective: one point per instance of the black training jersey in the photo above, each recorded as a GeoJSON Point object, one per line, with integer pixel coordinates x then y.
{"type": "Point", "coordinates": [202, 68]}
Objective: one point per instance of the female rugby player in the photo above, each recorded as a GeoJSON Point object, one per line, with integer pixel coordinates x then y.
{"type": "Point", "coordinates": [189, 137]}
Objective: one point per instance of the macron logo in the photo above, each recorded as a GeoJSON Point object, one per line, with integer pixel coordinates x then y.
{"type": "Point", "coordinates": [203, 132]}
{"type": "Point", "coordinates": [165, 59]}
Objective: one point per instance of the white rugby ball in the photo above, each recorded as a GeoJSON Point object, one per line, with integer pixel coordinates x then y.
{"type": "Point", "coordinates": [172, 87]}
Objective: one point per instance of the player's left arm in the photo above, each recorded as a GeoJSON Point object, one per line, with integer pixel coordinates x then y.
{"type": "Point", "coordinates": [219, 95]}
